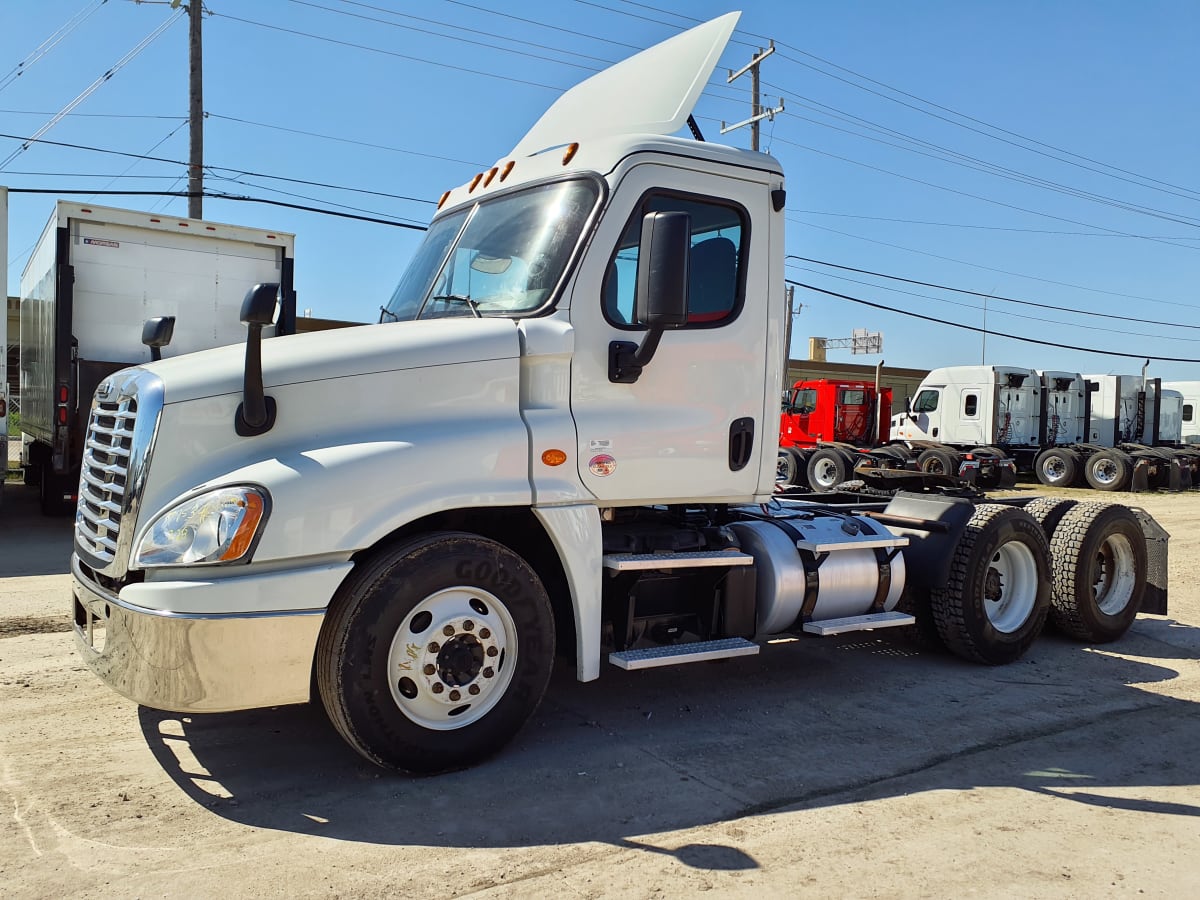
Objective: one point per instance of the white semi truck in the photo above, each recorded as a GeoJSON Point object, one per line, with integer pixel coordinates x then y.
{"type": "Point", "coordinates": [107, 288]}
{"type": "Point", "coordinates": [565, 441]}
{"type": "Point", "coordinates": [1112, 432]}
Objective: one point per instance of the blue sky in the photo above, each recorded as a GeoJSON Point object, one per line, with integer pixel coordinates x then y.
{"type": "Point", "coordinates": [1044, 152]}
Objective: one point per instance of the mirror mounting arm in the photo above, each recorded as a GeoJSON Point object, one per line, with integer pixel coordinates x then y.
{"type": "Point", "coordinates": [626, 359]}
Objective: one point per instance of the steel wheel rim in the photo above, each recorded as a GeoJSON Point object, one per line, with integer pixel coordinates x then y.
{"type": "Point", "coordinates": [1114, 580]}
{"type": "Point", "coordinates": [1010, 587]}
{"type": "Point", "coordinates": [781, 469]}
{"type": "Point", "coordinates": [451, 660]}
{"type": "Point", "coordinates": [825, 472]}
{"type": "Point", "coordinates": [1105, 471]}
{"type": "Point", "coordinates": [935, 466]}
{"type": "Point", "coordinates": [1054, 468]}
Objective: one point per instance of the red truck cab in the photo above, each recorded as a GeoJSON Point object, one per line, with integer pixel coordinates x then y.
{"type": "Point", "coordinates": [824, 410]}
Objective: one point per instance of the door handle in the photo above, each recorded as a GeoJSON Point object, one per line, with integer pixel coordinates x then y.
{"type": "Point", "coordinates": [741, 443]}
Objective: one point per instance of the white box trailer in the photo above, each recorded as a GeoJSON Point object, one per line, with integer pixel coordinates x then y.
{"type": "Point", "coordinates": [95, 278]}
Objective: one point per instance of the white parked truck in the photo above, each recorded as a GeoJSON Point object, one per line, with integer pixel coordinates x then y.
{"type": "Point", "coordinates": [107, 288]}
{"type": "Point", "coordinates": [1111, 432]}
{"type": "Point", "coordinates": [4, 393]}
{"type": "Point", "coordinates": [564, 442]}
{"type": "Point", "coordinates": [1189, 413]}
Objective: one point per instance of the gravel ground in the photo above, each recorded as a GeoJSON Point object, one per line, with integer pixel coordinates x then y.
{"type": "Point", "coordinates": [847, 767]}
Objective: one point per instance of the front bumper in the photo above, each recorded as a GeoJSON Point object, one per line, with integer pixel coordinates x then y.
{"type": "Point", "coordinates": [188, 662]}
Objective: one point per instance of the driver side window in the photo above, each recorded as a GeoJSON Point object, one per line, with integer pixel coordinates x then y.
{"type": "Point", "coordinates": [927, 401]}
{"type": "Point", "coordinates": [715, 272]}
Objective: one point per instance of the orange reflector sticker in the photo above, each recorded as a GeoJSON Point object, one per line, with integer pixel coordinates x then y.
{"type": "Point", "coordinates": [554, 457]}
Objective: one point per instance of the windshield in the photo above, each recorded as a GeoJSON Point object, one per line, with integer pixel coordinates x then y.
{"type": "Point", "coordinates": [501, 257]}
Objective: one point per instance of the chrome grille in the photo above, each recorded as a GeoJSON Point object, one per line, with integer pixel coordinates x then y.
{"type": "Point", "coordinates": [120, 434]}
{"type": "Point", "coordinates": [104, 476]}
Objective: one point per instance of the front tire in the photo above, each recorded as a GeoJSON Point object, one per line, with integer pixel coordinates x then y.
{"type": "Point", "coordinates": [998, 594]}
{"type": "Point", "coordinates": [1099, 556]}
{"type": "Point", "coordinates": [435, 652]}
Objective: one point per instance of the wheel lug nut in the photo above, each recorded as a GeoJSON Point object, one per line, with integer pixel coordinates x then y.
{"type": "Point", "coordinates": [492, 651]}
{"type": "Point", "coordinates": [489, 672]}
{"type": "Point", "coordinates": [435, 647]}
{"type": "Point", "coordinates": [430, 669]}
{"type": "Point", "coordinates": [438, 688]}
{"type": "Point", "coordinates": [468, 625]}
{"type": "Point", "coordinates": [473, 690]}
{"type": "Point", "coordinates": [485, 633]}
{"type": "Point", "coordinates": [448, 631]}
{"type": "Point", "coordinates": [455, 695]}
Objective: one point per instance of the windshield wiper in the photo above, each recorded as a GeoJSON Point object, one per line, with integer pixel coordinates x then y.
{"type": "Point", "coordinates": [459, 298]}
{"type": "Point", "coordinates": [384, 311]}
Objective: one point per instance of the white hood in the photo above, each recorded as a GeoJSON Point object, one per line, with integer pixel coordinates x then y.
{"type": "Point", "coordinates": [652, 92]}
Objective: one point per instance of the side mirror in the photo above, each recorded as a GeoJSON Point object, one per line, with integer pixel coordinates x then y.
{"type": "Point", "coordinates": [157, 333]}
{"type": "Point", "coordinates": [256, 413]}
{"type": "Point", "coordinates": [662, 291]}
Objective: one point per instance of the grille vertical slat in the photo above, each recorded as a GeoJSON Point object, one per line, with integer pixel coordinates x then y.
{"type": "Point", "coordinates": [105, 475]}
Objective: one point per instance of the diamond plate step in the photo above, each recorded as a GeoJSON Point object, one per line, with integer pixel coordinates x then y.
{"type": "Point", "coordinates": [859, 623]}
{"type": "Point", "coordinates": [676, 654]}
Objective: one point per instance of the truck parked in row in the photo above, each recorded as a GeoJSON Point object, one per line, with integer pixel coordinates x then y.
{"type": "Point", "coordinates": [829, 428]}
{"type": "Point", "coordinates": [1113, 432]}
{"type": "Point", "coordinates": [565, 439]}
{"type": "Point", "coordinates": [108, 288]}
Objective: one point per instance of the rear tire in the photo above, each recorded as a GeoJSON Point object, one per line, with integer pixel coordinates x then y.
{"type": "Point", "coordinates": [1108, 470]}
{"type": "Point", "coordinates": [1057, 467]}
{"type": "Point", "coordinates": [1099, 564]}
{"type": "Point", "coordinates": [998, 593]}
{"type": "Point", "coordinates": [827, 468]}
{"type": "Point", "coordinates": [1048, 512]}
{"type": "Point", "coordinates": [937, 461]}
{"type": "Point", "coordinates": [435, 652]}
{"type": "Point", "coordinates": [790, 467]}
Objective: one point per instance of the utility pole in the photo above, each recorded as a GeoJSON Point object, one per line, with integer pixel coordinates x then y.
{"type": "Point", "coordinates": [757, 113]}
{"type": "Point", "coordinates": [195, 10]}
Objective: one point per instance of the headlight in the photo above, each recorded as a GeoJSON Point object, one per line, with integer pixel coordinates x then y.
{"type": "Point", "coordinates": [217, 527]}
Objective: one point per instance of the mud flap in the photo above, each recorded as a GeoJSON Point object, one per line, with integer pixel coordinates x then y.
{"type": "Point", "coordinates": [1141, 476]}
{"type": "Point", "coordinates": [1175, 477]}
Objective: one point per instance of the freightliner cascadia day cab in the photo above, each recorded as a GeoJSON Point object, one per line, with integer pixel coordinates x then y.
{"type": "Point", "coordinates": [565, 441]}
{"type": "Point", "coordinates": [1109, 432]}
{"type": "Point", "coordinates": [107, 288]}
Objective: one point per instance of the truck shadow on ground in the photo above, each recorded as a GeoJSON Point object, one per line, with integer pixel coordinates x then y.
{"type": "Point", "coordinates": [806, 724]}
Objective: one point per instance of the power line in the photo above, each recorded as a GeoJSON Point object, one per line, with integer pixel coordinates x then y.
{"type": "Point", "coordinates": [943, 287]}
{"type": "Point", "coordinates": [984, 309]}
{"type": "Point", "coordinates": [95, 85]}
{"type": "Point", "coordinates": [223, 196]}
{"type": "Point", "coordinates": [1142, 179]}
{"type": "Point", "coordinates": [177, 162]}
{"type": "Point", "coordinates": [969, 225]}
{"type": "Point", "coordinates": [977, 330]}
{"type": "Point", "coordinates": [393, 53]}
{"type": "Point", "coordinates": [963, 262]}
{"type": "Point", "coordinates": [961, 193]}
{"type": "Point", "coordinates": [345, 140]}
{"type": "Point", "coordinates": [49, 43]}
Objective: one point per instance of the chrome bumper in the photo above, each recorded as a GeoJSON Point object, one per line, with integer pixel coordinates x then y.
{"type": "Point", "coordinates": [185, 662]}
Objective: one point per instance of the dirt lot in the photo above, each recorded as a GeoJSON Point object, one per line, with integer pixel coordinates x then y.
{"type": "Point", "coordinates": [852, 767]}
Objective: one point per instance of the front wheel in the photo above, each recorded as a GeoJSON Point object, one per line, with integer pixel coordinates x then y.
{"type": "Point", "coordinates": [436, 652]}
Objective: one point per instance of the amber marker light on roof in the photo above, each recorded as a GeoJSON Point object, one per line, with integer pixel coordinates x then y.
{"type": "Point", "coordinates": [507, 168]}
{"type": "Point", "coordinates": [475, 182]}
{"type": "Point", "coordinates": [554, 457]}
{"type": "Point", "coordinates": [442, 202]}
{"type": "Point", "coordinates": [490, 175]}
{"type": "Point", "coordinates": [572, 149]}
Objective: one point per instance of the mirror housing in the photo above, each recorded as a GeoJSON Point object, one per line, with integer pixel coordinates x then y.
{"type": "Point", "coordinates": [256, 413]}
{"type": "Point", "coordinates": [157, 333]}
{"type": "Point", "coordinates": [661, 301]}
